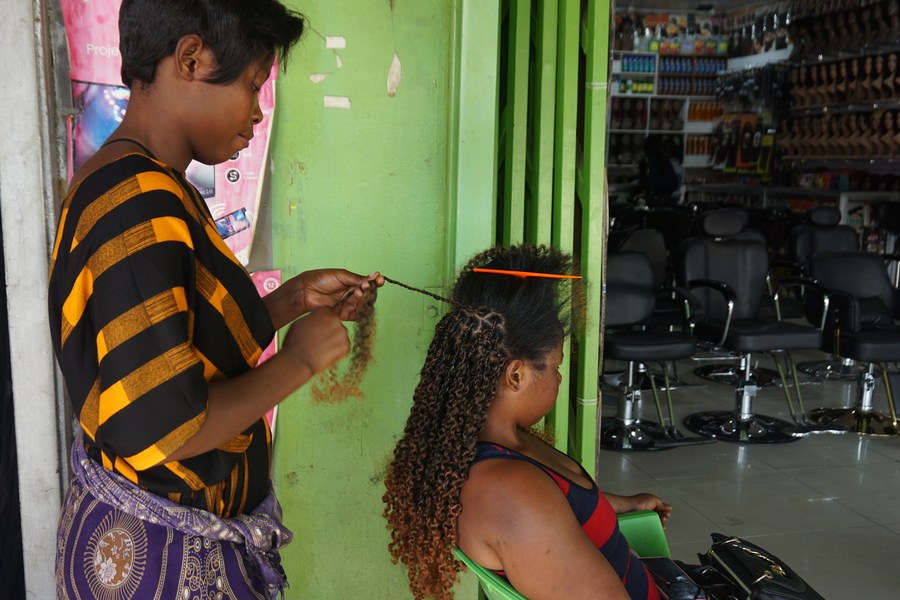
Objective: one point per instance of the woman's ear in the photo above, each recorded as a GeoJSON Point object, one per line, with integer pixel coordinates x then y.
{"type": "Point", "coordinates": [193, 60]}
{"type": "Point", "coordinates": [514, 374]}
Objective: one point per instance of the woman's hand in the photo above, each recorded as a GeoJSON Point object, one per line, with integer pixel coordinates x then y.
{"type": "Point", "coordinates": [355, 295]}
{"type": "Point", "coordinates": [317, 340]}
{"type": "Point", "coordinates": [623, 504]}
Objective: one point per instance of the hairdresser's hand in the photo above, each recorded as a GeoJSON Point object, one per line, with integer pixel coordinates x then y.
{"type": "Point", "coordinates": [323, 287]}
{"type": "Point", "coordinates": [353, 295]}
{"type": "Point", "coordinates": [623, 504]}
{"type": "Point", "coordinates": [317, 340]}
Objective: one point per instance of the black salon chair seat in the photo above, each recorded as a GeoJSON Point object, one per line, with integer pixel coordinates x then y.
{"type": "Point", "coordinates": [641, 346]}
{"type": "Point", "coordinates": [757, 335]}
{"type": "Point", "coordinates": [860, 325]}
{"type": "Point", "coordinates": [727, 272]}
{"type": "Point", "coordinates": [630, 299]}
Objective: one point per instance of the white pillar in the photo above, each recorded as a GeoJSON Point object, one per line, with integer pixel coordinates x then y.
{"type": "Point", "coordinates": [26, 203]}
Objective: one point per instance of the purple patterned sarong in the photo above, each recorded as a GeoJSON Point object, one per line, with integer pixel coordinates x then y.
{"type": "Point", "coordinates": [117, 541]}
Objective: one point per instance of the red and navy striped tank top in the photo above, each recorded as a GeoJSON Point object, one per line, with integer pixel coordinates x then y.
{"type": "Point", "coordinates": [597, 518]}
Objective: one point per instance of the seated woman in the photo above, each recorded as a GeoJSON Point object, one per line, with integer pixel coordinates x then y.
{"type": "Point", "coordinates": [469, 472]}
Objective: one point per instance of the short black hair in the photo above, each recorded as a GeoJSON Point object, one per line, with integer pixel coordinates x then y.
{"type": "Point", "coordinates": [238, 32]}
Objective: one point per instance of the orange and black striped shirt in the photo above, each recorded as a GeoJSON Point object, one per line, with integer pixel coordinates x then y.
{"type": "Point", "coordinates": [147, 306]}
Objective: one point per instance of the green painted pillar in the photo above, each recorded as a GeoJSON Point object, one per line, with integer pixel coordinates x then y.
{"type": "Point", "coordinates": [364, 180]}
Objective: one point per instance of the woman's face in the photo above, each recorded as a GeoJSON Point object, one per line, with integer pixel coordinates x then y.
{"type": "Point", "coordinates": [543, 387]}
{"type": "Point", "coordinates": [892, 63]}
{"type": "Point", "coordinates": [888, 122]}
{"type": "Point", "coordinates": [854, 68]}
{"type": "Point", "coordinates": [867, 66]}
{"type": "Point", "coordinates": [879, 64]}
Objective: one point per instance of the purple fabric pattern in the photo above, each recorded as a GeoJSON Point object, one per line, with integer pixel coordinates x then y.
{"type": "Point", "coordinates": [118, 541]}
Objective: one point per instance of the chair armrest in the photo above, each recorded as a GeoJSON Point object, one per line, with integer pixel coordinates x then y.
{"type": "Point", "coordinates": [803, 282]}
{"type": "Point", "coordinates": [692, 306]}
{"type": "Point", "coordinates": [779, 265]}
{"type": "Point", "coordinates": [845, 309]}
{"type": "Point", "coordinates": [730, 300]}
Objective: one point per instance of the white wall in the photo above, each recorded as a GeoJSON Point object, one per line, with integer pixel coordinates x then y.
{"type": "Point", "coordinates": [27, 183]}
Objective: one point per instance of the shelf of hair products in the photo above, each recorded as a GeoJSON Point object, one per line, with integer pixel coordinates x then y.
{"type": "Point", "coordinates": [799, 95]}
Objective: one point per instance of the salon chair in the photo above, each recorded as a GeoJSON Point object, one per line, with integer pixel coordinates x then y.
{"type": "Point", "coordinates": [727, 272]}
{"type": "Point", "coordinates": [822, 231]}
{"type": "Point", "coordinates": [630, 298]}
{"type": "Point", "coordinates": [727, 372]}
{"type": "Point", "coordinates": [668, 310]}
{"type": "Point", "coordinates": [860, 324]}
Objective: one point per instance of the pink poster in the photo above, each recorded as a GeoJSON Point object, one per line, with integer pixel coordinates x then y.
{"type": "Point", "coordinates": [231, 190]}
{"type": "Point", "coordinates": [267, 281]}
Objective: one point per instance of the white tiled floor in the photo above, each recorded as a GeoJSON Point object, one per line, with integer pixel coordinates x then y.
{"type": "Point", "coordinates": [828, 505]}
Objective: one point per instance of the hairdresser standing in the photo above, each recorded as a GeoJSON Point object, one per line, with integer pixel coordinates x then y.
{"type": "Point", "coordinates": [158, 328]}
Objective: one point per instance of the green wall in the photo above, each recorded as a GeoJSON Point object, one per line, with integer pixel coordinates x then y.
{"type": "Point", "coordinates": [413, 185]}
{"type": "Point", "coordinates": [365, 188]}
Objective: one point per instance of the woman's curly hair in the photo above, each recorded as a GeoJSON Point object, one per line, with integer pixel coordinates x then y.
{"type": "Point", "coordinates": [494, 318]}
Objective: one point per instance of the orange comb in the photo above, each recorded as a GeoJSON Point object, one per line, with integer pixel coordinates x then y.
{"type": "Point", "coordinates": [524, 274]}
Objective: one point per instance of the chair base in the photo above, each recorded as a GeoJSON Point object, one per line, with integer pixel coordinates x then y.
{"type": "Point", "coordinates": [727, 427]}
{"type": "Point", "coordinates": [616, 379]}
{"type": "Point", "coordinates": [638, 435]}
{"type": "Point", "coordinates": [853, 419]}
{"type": "Point", "coordinates": [731, 375]}
{"type": "Point", "coordinates": [835, 369]}
{"type": "Point", "coordinates": [644, 435]}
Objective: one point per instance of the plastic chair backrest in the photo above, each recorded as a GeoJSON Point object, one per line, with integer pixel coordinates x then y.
{"type": "Point", "coordinates": [645, 533]}
{"type": "Point", "coordinates": [642, 529]}
{"type": "Point", "coordinates": [493, 586]}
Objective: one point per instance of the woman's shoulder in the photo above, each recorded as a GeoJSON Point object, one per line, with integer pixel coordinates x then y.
{"type": "Point", "coordinates": [102, 172]}
{"type": "Point", "coordinates": [502, 489]}
{"type": "Point", "coordinates": [505, 500]}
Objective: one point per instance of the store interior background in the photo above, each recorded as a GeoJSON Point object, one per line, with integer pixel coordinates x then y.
{"type": "Point", "coordinates": [825, 504]}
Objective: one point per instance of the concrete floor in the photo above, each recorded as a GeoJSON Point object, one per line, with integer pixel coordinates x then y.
{"type": "Point", "coordinates": [828, 505]}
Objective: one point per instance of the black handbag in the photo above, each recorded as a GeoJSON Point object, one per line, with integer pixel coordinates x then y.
{"type": "Point", "coordinates": [757, 573]}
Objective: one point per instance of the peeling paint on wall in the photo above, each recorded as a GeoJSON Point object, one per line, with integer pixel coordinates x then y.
{"type": "Point", "coordinates": [394, 75]}
{"type": "Point", "coordinates": [335, 41]}
{"type": "Point", "coordinates": [336, 102]}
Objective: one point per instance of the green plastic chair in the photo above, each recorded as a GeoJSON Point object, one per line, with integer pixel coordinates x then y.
{"type": "Point", "coordinates": [642, 529]}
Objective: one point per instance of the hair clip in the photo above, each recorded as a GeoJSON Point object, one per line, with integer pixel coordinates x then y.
{"type": "Point", "coordinates": [524, 274]}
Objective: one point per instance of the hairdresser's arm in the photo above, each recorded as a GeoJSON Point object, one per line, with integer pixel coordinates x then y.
{"type": "Point", "coordinates": [312, 344]}
{"type": "Point", "coordinates": [521, 518]}
{"type": "Point", "coordinates": [322, 287]}
{"type": "Point", "coordinates": [622, 504]}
